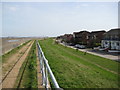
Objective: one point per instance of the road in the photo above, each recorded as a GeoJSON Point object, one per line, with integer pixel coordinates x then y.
{"type": "Point", "coordinates": [103, 54]}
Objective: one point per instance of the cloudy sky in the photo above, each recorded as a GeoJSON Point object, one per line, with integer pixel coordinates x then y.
{"type": "Point", "coordinates": [57, 18]}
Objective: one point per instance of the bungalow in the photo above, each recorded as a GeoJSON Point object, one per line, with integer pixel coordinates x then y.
{"type": "Point", "coordinates": [111, 39]}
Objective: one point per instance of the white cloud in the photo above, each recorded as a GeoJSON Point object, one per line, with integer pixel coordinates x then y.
{"type": "Point", "coordinates": [13, 8]}
{"type": "Point", "coordinates": [84, 5]}
{"type": "Point", "coordinates": [81, 5]}
{"type": "Point", "coordinates": [59, 0]}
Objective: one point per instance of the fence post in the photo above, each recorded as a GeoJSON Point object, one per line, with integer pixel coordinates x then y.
{"type": "Point", "coordinates": [46, 77]}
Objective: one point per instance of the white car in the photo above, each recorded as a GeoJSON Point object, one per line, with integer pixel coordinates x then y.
{"type": "Point", "coordinates": [79, 46]}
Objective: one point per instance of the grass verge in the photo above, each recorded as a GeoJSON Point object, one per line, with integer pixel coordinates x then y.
{"type": "Point", "coordinates": [73, 69]}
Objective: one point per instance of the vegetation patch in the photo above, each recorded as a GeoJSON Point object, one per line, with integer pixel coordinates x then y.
{"type": "Point", "coordinates": [73, 69]}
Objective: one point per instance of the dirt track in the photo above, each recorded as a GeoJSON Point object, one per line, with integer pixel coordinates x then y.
{"type": "Point", "coordinates": [39, 74]}
{"type": "Point", "coordinates": [11, 60]}
{"type": "Point", "coordinates": [16, 59]}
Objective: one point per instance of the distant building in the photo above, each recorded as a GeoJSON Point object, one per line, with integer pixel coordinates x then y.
{"type": "Point", "coordinates": [60, 38]}
{"type": "Point", "coordinates": [111, 39]}
{"type": "Point", "coordinates": [81, 37]}
{"type": "Point", "coordinates": [88, 38]}
{"type": "Point", "coordinates": [96, 37]}
{"type": "Point", "coordinates": [68, 38]}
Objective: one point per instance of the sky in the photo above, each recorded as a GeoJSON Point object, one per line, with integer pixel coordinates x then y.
{"type": "Point", "coordinates": [57, 18]}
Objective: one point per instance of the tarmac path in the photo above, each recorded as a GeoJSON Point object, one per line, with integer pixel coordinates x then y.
{"type": "Point", "coordinates": [98, 53]}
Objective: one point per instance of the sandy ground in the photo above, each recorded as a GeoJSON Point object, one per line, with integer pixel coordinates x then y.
{"type": "Point", "coordinates": [11, 77]}
{"type": "Point", "coordinates": [7, 44]}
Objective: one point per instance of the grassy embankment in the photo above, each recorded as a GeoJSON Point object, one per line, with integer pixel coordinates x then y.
{"type": "Point", "coordinates": [73, 69]}
{"type": "Point", "coordinates": [13, 51]}
{"type": "Point", "coordinates": [27, 77]}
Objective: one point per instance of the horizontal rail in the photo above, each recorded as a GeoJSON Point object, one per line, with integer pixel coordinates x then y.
{"type": "Point", "coordinates": [45, 69]}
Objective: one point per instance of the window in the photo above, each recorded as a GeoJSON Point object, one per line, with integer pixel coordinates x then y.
{"type": "Point", "coordinates": [117, 43]}
{"type": "Point", "coordinates": [106, 43]}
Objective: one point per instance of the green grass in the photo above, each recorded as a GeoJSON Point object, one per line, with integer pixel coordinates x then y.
{"type": "Point", "coordinates": [29, 79]}
{"type": "Point", "coordinates": [13, 51]}
{"type": "Point", "coordinates": [73, 69]}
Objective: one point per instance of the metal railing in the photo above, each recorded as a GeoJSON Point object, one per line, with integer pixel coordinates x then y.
{"type": "Point", "coordinates": [45, 69]}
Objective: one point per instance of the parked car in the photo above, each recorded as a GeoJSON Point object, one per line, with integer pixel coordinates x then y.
{"type": "Point", "coordinates": [104, 49]}
{"type": "Point", "coordinates": [71, 44]}
{"type": "Point", "coordinates": [97, 47]}
{"type": "Point", "coordinates": [79, 46]}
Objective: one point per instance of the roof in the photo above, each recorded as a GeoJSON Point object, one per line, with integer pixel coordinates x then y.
{"type": "Point", "coordinates": [114, 31]}
{"type": "Point", "coordinates": [81, 32]}
{"type": "Point", "coordinates": [98, 31]}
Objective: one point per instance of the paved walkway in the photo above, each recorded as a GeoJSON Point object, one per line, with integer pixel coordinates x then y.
{"type": "Point", "coordinates": [111, 56]}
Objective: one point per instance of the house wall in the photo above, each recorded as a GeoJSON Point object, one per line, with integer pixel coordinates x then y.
{"type": "Point", "coordinates": [81, 37]}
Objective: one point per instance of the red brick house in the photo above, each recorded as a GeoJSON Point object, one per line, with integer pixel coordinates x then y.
{"type": "Point", "coordinates": [96, 37]}
{"type": "Point", "coordinates": [68, 38]}
{"type": "Point", "coordinates": [81, 37]}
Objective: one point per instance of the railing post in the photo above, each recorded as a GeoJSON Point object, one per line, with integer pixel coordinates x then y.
{"type": "Point", "coordinates": [46, 76]}
{"type": "Point", "coordinates": [41, 61]}
{"type": "Point", "coordinates": [43, 73]}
